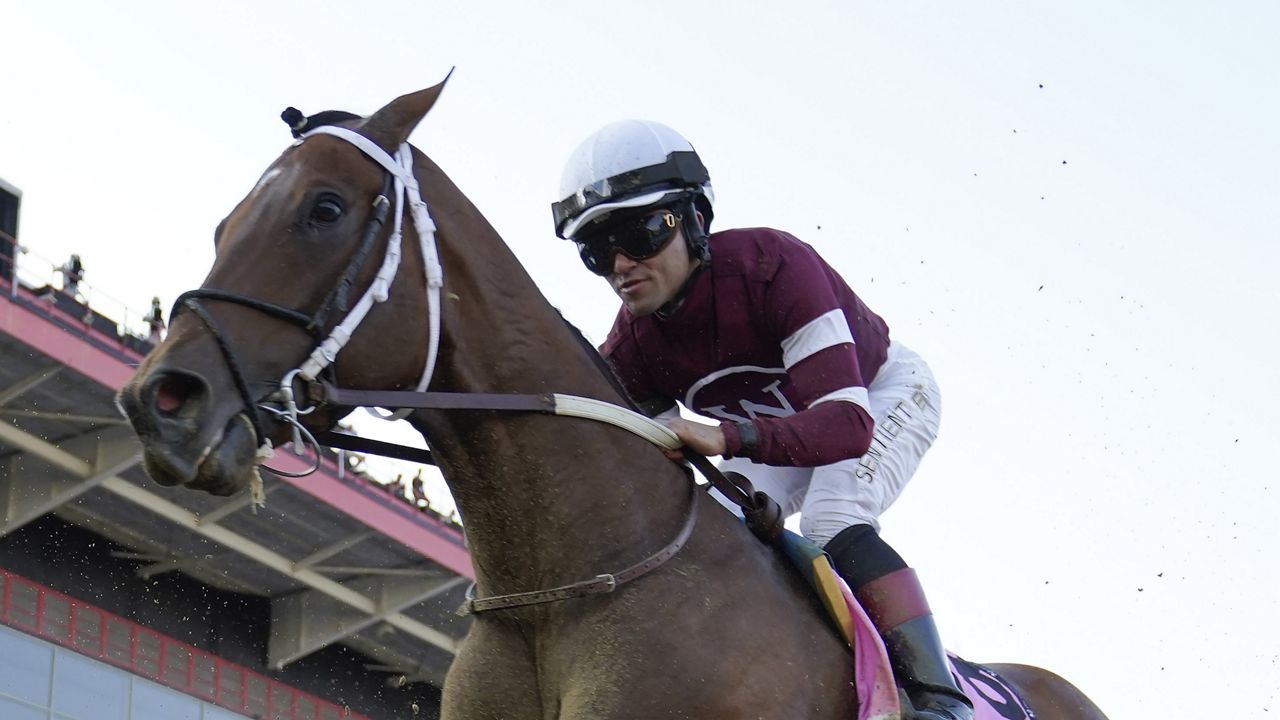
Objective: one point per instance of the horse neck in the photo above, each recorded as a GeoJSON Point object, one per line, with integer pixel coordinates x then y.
{"type": "Point", "coordinates": [542, 497]}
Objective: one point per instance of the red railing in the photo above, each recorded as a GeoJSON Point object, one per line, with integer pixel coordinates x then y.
{"type": "Point", "coordinates": [74, 624]}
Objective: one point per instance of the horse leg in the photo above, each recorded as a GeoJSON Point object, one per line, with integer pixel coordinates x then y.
{"type": "Point", "coordinates": [492, 677]}
{"type": "Point", "coordinates": [1049, 696]}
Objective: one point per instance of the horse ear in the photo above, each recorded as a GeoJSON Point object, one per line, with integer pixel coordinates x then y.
{"type": "Point", "coordinates": [391, 126]}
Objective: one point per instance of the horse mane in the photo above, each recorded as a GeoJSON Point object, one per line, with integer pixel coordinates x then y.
{"type": "Point", "coordinates": [300, 124]}
{"type": "Point", "coordinates": [599, 361]}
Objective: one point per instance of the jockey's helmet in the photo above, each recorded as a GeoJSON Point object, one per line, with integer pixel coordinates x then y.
{"type": "Point", "coordinates": [630, 165]}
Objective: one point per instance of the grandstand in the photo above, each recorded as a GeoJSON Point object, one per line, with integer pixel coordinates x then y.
{"type": "Point", "coordinates": [120, 598]}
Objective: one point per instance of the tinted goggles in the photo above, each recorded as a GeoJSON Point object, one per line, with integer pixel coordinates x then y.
{"type": "Point", "coordinates": [638, 238]}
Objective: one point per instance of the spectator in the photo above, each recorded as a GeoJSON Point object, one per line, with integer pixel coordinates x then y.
{"type": "Point", "coordinates": [155, 320]}
{"type": "Point", "coordinates": [419, 491]}
{"type": "Point", "coordinates": [72, 273]}
{"type": "Point", "coordinates": [396, 487]}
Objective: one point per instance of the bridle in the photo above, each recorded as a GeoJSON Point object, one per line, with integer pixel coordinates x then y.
{"type": "Point", "coordinates": [401, 189]}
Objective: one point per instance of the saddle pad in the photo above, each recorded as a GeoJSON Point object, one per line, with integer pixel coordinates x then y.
{"type": "Point", "coordinates": [873, 678]}
{"type": "Point", "coordinates": [993, 698]}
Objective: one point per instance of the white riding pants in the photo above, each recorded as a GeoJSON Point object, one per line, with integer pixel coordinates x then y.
{"type": "Point", "coordinates": [906, 407]}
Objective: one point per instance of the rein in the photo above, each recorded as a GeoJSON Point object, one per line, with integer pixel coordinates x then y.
{"type": "Point", "coordinates": [734, 486]}
{"type": "Point", "coordinates": [401, 189]}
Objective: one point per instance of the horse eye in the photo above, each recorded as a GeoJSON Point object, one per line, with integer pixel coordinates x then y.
{"type": "Point", "coordinates": [327, 210]}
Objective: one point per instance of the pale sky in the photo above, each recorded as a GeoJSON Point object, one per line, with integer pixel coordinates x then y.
{"type": "Point", "coordinates": [1070, 209]}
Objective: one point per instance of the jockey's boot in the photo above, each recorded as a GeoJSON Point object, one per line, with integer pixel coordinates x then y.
{"type": "Point", "coordinates": [892, 597]}
{"type": "Point", "coordinates": [897, 606]}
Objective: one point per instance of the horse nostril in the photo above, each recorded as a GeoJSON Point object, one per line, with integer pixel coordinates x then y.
{"type": "Point", "coordinates": [168, 400]}
{"type": "Point", "coordinates": [175, 392]}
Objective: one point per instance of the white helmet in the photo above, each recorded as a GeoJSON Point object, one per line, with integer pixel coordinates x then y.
{"type": "Point", "coordinates": [629, 164]}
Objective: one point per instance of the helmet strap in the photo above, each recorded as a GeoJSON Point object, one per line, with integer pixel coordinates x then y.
{"type": "Point", "coordinates": [670, 306]}
{"type": "Point", "coordinates": [699, 245]}
{"type": "Point", "coordinates": [694, 234]}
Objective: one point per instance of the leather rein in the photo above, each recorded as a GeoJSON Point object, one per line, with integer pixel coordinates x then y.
{"type": "Point", "coordinates": [400, 189]}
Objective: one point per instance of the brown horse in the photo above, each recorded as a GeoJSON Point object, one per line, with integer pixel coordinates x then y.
{"type": "Point", "coordinates": [723, 629]}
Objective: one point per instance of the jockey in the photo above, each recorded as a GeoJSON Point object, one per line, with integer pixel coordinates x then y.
{"type": "Point", "coordinates": [750, 326]}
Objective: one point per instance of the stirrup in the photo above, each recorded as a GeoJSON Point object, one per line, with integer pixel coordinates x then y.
{"type": "Point", "coordinates": [941, 704]}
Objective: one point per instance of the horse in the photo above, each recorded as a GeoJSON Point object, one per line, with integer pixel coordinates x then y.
{"type": "Point", "coordinates": [718, 627]}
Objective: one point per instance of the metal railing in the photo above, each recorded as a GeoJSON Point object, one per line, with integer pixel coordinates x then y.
{"type": "Point", "coordinates": [27, 268]}
{"type": "Point", "coordinates": [65, 621]}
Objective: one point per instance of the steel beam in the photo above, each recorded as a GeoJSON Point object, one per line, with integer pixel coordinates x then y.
{"type": "Point", "coordinates": [327, 552]}
{"type": "Point", "coordinates": [303, 623]}
{"type": "Point", "coordinates": [234, 504]}
{"type": "Point", "coordinates": [64, 417]}
{"type": "Point", "coordinates": [25, 384]}
{"type": "Point", "coordinates": [275, 561]}
{"type": "Point", "coordinates": [24, 500]}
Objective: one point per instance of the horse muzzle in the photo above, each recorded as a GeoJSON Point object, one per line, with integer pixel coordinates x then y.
{"type": "Point", "coordinates": [186, 439]}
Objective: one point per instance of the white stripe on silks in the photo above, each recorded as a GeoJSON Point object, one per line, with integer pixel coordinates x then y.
{"type": "Point", "coordinates": [856, 395]}
{"type": "Point", "coordinates": [826, 330]}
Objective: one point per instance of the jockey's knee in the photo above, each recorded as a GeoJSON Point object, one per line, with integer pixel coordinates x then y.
{"type": "Point", "coordinates": [822, 527]}
{"type": "Point", "coordinates": [860, 555]}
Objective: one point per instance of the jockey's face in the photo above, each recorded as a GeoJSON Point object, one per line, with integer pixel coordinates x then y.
{"type": "Point", "coordinates": [648, 284]}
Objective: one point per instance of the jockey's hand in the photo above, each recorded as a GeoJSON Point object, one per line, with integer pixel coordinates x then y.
{"type": "Point", "coordinates": [702, 439]}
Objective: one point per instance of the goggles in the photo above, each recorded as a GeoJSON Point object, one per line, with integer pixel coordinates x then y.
{"type": "Point", "coordinates": [639, 238]}
{"type": "Point", "coordinates": [682, 170]}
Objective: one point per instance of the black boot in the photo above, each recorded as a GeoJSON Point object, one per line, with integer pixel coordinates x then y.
{"type": "Point", "coordinates": [892, 597]}
{"type": "Point", "coordinates": [919, 662]}
{"type": "Point", "coordinates": [896, 605]}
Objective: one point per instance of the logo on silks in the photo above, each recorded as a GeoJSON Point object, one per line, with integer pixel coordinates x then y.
{"type": "Point", "coordinates": [742, 393]}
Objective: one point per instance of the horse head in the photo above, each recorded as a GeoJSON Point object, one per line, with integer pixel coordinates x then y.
{"type": "Point", "coordinates": [310, 244]}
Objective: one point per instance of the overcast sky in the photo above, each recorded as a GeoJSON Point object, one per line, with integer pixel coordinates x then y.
{"type": "Point", "coordinates": [1070, 209]}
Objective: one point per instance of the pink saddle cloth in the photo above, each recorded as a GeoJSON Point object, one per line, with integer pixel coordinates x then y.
{"type": "Point", "coordinates": [993, 698]}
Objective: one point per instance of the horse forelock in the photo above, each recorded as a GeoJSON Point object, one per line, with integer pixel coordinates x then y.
{"type": "Point", "coordinates": [300, 124]}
